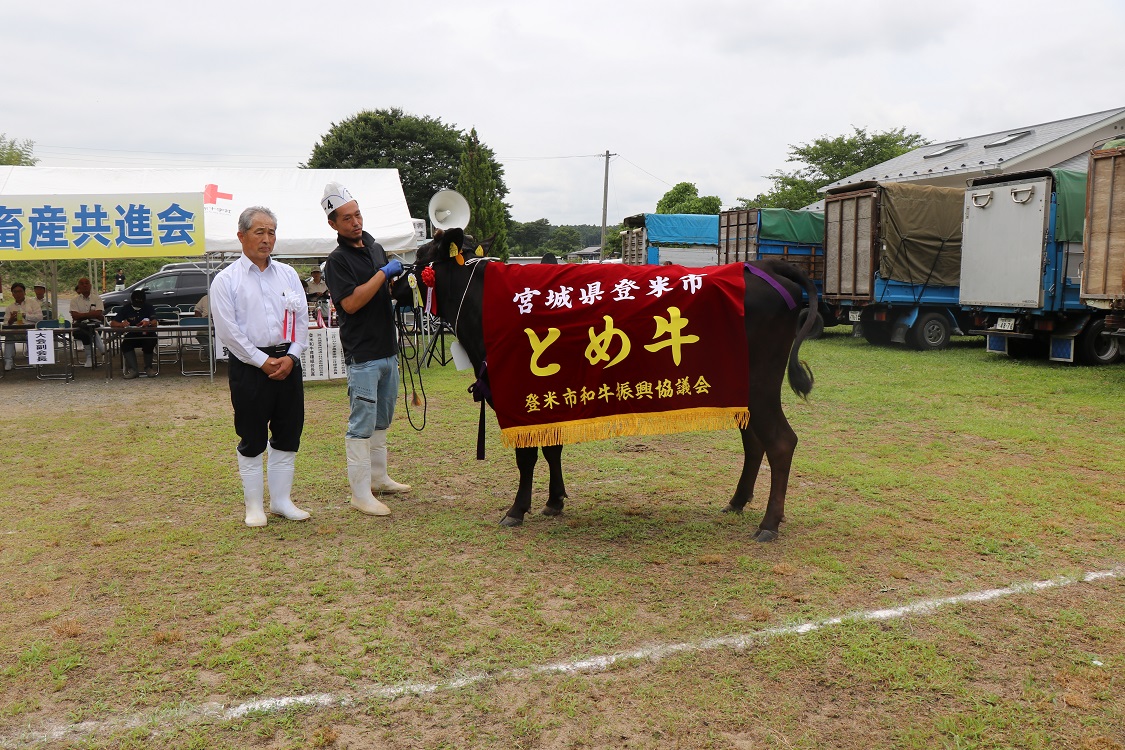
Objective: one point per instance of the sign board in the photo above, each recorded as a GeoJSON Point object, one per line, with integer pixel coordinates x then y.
{"type": "Point", "coordinates": [314, 366]}
{"type": "Point", "coordinates": [122, 225]}
{"type": "Point", "coordinates": [41, 346]}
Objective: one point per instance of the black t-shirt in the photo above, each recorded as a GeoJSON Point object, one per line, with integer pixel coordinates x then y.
{"type": "Point", "coordinates": [369, 332]}
{"type": "Point", "coordinates": [134, 316]}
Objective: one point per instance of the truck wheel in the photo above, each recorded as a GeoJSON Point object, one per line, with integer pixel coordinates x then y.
{"type": "Point", "coordinates": [930, 332]}
{"type": "Point", "coordinates": [818, 326]}
{"type": "Point", "coordinates": [877, 332]}
{"type": "Point", "coordinates": [1095, 347]}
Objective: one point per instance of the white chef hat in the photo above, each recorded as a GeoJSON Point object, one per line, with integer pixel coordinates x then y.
{"type": "Point", "coordinates": [335, 195]}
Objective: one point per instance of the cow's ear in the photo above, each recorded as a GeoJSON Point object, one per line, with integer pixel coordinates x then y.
{"type": "Point", "coordinates": [450, 244]}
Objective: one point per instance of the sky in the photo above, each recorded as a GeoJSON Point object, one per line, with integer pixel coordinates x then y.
{"type": "Point", "coordinates": [715, 95]}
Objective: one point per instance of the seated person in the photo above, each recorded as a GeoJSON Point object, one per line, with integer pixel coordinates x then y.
{"type": "Point", "coordinates": [315, 286]}
{"type": "Point", "coordinates": [202, 309]}
{"type": "Point", "coordinates": [137, 314]}
{"type": "Point", "coordinates": [41, 298]}
{"type": "Point", "coordinates": [88, 312]}
{"type": "Point", "coordinates": [23, 311]}
{"type": "Point", "coordinates": [316, 292]}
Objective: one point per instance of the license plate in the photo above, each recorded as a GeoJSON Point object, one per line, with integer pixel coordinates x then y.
{"type": "Point", "coordinates": [1006, 324]}
{"type": "Point", "coordinates": [853, 316]}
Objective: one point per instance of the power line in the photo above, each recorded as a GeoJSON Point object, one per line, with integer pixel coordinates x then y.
{"type": "Point", "coordinates": [650, 174]}
{"type": "Point", "coordinates": [549, 158]}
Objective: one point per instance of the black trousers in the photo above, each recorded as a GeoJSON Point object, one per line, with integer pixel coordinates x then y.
{"type": "Point", "coordinates": [263, 406]}
{"type": "Point", "coordinates": [147, 344]}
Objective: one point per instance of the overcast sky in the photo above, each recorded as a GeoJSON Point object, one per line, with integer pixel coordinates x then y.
{"type": "Point", "coordinates": [713, 95]}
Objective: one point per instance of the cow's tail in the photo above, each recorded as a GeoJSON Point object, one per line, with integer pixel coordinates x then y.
{"type": "Point", "coordinates": [800, 374]}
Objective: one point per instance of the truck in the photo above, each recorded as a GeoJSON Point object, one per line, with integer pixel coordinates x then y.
{"type": "Point", "coordinates": [795, 236]}
{"type": "Point", "coordinates": [1103, 268]}
{"type": "Point", "coordinates": [892, 262]}
{"type": "Point", "coordinates": [682, 239]}
{"type": "Point", "coordinates": [1021, 267]}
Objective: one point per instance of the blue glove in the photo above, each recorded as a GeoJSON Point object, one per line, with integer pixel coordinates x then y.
{"type": "Point", "coordinates": [392, 269]}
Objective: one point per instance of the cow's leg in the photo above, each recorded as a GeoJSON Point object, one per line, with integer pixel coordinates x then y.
{"type": "Point", "coordinates": [779, 441]}
{"type": "Point", "coordinates": [525, 462]}
{"type": "Point", "coordinates": [556, 493]}
{"type": "Point", "coordinates": [752, 450]}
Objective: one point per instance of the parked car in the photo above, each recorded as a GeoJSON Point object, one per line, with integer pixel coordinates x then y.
{"type": "Point", "coordinates": [177, 286]}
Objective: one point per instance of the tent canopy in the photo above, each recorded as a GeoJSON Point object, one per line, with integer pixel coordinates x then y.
{"type": "Point", "coordinates": [292, 194]}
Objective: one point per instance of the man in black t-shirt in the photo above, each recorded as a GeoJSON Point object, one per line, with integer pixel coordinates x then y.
{"type": "Point", "coordinates": [137, 314]}
{"type": "Point", "coordinates": [359, 277]}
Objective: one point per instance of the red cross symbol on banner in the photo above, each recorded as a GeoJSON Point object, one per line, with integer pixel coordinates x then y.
{"type": "Point", "coordinates": [211, 194]}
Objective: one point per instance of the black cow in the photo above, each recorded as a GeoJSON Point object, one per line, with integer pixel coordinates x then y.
{"type": "Point", "coordinates": [773, 341]}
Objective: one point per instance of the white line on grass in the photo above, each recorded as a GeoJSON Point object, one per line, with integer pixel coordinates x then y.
{"type": "Point", "coordinates": [216, 711]}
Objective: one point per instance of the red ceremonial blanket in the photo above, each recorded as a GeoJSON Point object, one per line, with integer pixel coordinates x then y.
{"type": "Point", "coordinates": [588, 352]}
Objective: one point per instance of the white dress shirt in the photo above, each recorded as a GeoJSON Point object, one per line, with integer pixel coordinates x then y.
{"type": "Point", "coordinates": [248, 306]}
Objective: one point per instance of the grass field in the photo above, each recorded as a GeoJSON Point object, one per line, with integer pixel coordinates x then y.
{"type": "Point", "coordinates": [136, 610]}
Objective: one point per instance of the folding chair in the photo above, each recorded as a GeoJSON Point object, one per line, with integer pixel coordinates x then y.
{"type": "Point", "coordinates": [64, 341]}
{"type": "Point", "coordinates": [196, 341]}
{"type": "Point", "coordinates": [164, 339]}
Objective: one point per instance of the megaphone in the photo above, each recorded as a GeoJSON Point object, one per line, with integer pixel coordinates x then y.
{"type": "Point", "coordinates": [449, 209]}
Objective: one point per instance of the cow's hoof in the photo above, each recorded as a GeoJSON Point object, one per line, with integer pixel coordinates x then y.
{"type": "Point", "coordinates": [732, 508]}
{"type": "Point", "coordinates": [511, 522]}
{"type": "Point", "coordinates": [765, 535]}
{"type": "Point", "coordinates": [549, 511]}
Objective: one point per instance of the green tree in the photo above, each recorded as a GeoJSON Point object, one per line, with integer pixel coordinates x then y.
{"type": "Point", "coordinates": [827, 160]}
{"type": "Point", "coordinates": [564, 240]}
{"type": "Point", "coordinates": [425, 151]}
{"type": "Point", "coordinates": [526, 238]}
{"type": "Point", "coordinates": [684, 198]}
{"type": "Point", "coordinates": [14, 153]}
{"type": "Point", "coordinates": [612, 246]}
{"type": "Point", "coordinates": [477, 182]}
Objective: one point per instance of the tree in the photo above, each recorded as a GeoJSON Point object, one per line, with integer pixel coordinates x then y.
{"type": "Point", "coordinates": [827, 160]}
{"type": "Point", "coordinates": [527, 238]}
{"type": "Point", "coordinates": [477, 182]}
{"type": "Point", "coordinates": [564, 240]}
{"type": "Point", "coordinates": [425, 151]}
{"type": "Point", "coordinates": [684, 198]}
{"type": "Point", "coordinates": [15, 153]}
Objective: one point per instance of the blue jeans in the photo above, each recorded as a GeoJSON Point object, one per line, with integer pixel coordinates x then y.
{"type": "Point", "coordinates": [372, 392]}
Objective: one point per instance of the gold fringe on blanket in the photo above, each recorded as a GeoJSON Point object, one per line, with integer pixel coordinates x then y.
{"type": "Point", "coordinates": [650, 423]}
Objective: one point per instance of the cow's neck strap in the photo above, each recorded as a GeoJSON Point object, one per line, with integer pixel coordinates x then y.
{"type": "Point", "coordinates": [785, 295]}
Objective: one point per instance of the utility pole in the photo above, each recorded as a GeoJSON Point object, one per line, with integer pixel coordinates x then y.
{"type": "Point", "coordinates": [605, 197]}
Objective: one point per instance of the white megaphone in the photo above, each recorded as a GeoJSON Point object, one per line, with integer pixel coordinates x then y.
{"type": "Point", "coordinates": [449, 209]}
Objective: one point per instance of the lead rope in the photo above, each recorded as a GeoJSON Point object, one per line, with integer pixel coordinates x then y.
{"type": "Point", "coordinates": [480, 390]}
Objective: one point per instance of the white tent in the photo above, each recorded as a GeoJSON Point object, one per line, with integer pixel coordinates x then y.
{"type": "Point", "coordinates": [292, 194]}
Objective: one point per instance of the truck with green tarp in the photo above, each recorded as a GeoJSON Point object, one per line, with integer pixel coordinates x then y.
{"type": "Point", "coordinates": [1103, 268]}
{"type": "Point", "coordinates": [1021, 266]}
{"type": "Point", "coordinates": [892, 261]}
{"type": "Point", "coordinates": [761, 233]}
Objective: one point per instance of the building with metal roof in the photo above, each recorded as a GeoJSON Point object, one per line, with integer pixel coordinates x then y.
{"type": "Point", "coordinates": [1064, 144]}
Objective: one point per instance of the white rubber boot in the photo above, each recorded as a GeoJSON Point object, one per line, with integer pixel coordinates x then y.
{"type": "Point", "coordinates": [280, 478]}
{"type": "Point", "coordinates": [359, 477]}
{"type": "Point", "coordinates": [253, 488]}
{"type": "Point", "coordinates": [380, 482]}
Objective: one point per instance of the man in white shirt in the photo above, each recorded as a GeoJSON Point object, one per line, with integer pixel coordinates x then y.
{"type": "Point", "coordinates": [87, 312]}
{"type": "Point", "coordinates": [259, 310]}
{"type": "Point", "coordinates": [315, 284]}
{"type": "Point", "coordinates": [42, 299]}
{"type": "Point", "coordinates": [23, 311]}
